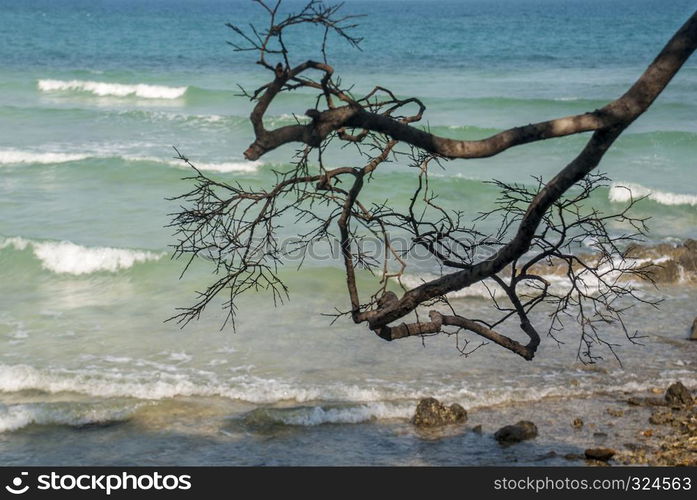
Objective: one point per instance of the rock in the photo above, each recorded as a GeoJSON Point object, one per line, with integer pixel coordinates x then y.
{"type": "Point", "coordinates": [577, 423]}
{"type": "Point", "coordinates": [574, 456]}
{"type": "Point", "coordinates": [614, 412]}
{"type": "Point", "coordinates": [432, 413]}
{"type": "Point", "coordinates": [667, 262]}
{"type": "Point", "coordinates": [693, 332]}
{"type": "Point", "coordinates": [477, 429]}
{"type": "Point", "coordinates": [546, 456]}
{"type": "Point", "coordinates": [661, 417]}
{"type": "Point", "coordinates": [635, 446]}
{"type": "Point", "coordinates": [516, 433]}
{"type": "Point", "coordinates": [665, 272]}
{"type": "Point", "coordinates": [655, 401]}
{"type": "Point", "coordinates": [602, 454]}
{"type": "Point", "coordinates": [599, 435]}
{"type": "Point", "coordinates": [678, 395]}
{"type": "Point", "coordinates": [636, 401]}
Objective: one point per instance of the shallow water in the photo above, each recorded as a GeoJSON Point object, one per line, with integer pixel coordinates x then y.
{"type": "Point", "coordinates": [92, 99]}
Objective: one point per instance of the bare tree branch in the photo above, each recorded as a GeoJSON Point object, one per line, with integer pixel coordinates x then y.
{"type": "Point", "coordinates": [540, 228]}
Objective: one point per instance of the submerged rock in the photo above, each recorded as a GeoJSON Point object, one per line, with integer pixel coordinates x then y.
{"type": "Point", "coordinates": [432, 413]}
{"type": "Point", "coordinates": [516, 433]}
{"type": "Point", "coordinates": [602, 454]}
{"type": "Point", "coordinates": [693, 332]}
{"type": "Point", "coordinates": [546, 456]}
{"type": "Point", "coordinates": [678, 395]}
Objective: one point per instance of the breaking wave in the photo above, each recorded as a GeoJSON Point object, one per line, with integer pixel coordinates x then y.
{"type": "Point", "coordinates": [18, 416]}
{"type": "Point", "coordinates": [65, 257]}
{"type": "Point", "coordinates": [14, 156]}
{"type": "Point", "coordinates": [103, 89]}
{"type": "Point", "coordinates": [18, 157]}
{"type": "Point", "coordinates": [320, 403]}
{"type": "Point", "coordinates": [224, 167]}
{"type": "Point", "coordinates": [308, 416]}
{"type": "Point", "coordinates": [624, 192]}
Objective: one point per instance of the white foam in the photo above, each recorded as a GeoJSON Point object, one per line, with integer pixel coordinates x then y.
{"type": "Point", "coordinates": [381, 400]}
{"type": "Point", "coordinates": [65, 257]}
{"type": "Point", "coordinates": [624, 192]}
{"type": "Point", "coordinates": [558, 283]}
{"type": "Point", "coordinates": [164, 384]}
{"type": "Point", "coordinates": [15, 157]}
{"type": "Point", "coordinates": [252, 166]}
{"type": "Point", "coordinates": [225, 167]}
{"type": "Point", "coordinates": [103, 89]}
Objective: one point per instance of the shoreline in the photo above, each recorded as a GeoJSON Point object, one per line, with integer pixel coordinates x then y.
{"type": "Point", "coordinates": [641, 429]}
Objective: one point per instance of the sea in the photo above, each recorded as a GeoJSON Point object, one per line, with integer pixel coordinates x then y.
{"type": "Point", "coordinates": [95, 95]}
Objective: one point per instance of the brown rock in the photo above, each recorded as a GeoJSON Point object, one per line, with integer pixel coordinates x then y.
{"type": "Point", "coordinates": [635, 446]}
{"type": "Point", "coordinates": [665, 272]}
{"type": "Point", "coordinates": [661, 417]}
{"type": "Point", "coordinates": [517, 432]}
{"type": "Point", "coordinates": [678, 395]}
{"type": "Point", "coordinates": [655, 401]}
{"type": "Point", "coordinates": [432, 413]}
{"type": "Point", "coordinates": [577, 423]}
{"type": "Point", "coordinates": [636, 401]}
{"type": "Point", "coordinates": [693, 332]}
{"type": "Point", "coordinates": [614, 412]}
{"type": "Point", "coordinates": [602, 454]}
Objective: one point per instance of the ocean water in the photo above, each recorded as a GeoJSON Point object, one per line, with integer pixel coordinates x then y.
{"type": "Point", "coordinates": [93, 95]}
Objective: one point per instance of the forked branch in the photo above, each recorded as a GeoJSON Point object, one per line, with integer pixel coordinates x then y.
{"type": "Point", "coordinates": [539, 228]}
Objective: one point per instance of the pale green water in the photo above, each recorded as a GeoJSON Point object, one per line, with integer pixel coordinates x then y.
{"type": "Point", "coordinates": [85, 276]}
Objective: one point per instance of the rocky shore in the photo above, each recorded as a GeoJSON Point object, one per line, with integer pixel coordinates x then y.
{"type": "Point", "coordinates": [658, 428]}
{"type": "Point", "coordinates": [664, 263]}
{"type": "Point", "coordinates": [674, 421]}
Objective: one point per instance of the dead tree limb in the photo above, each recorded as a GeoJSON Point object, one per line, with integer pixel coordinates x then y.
{"type": "Point", "coordinates": [545, 225]}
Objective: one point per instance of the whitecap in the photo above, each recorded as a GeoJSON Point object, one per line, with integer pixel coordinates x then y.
{"type": "Point", "coordinates": [65, 257]}
{"type": "Point", "coordinates": [624, 192]}
{"type": "Point", "coordinates": [223, 167]}
{"type": "Point", "coordinates": [15, 157]}
{"type": "Point", "coordinates": [102, 89]}
{"type": "Point", "coordinates": [17, 416]}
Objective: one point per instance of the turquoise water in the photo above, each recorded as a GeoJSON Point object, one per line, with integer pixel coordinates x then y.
{"type": "Point", "coordinates": [93, 95]}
